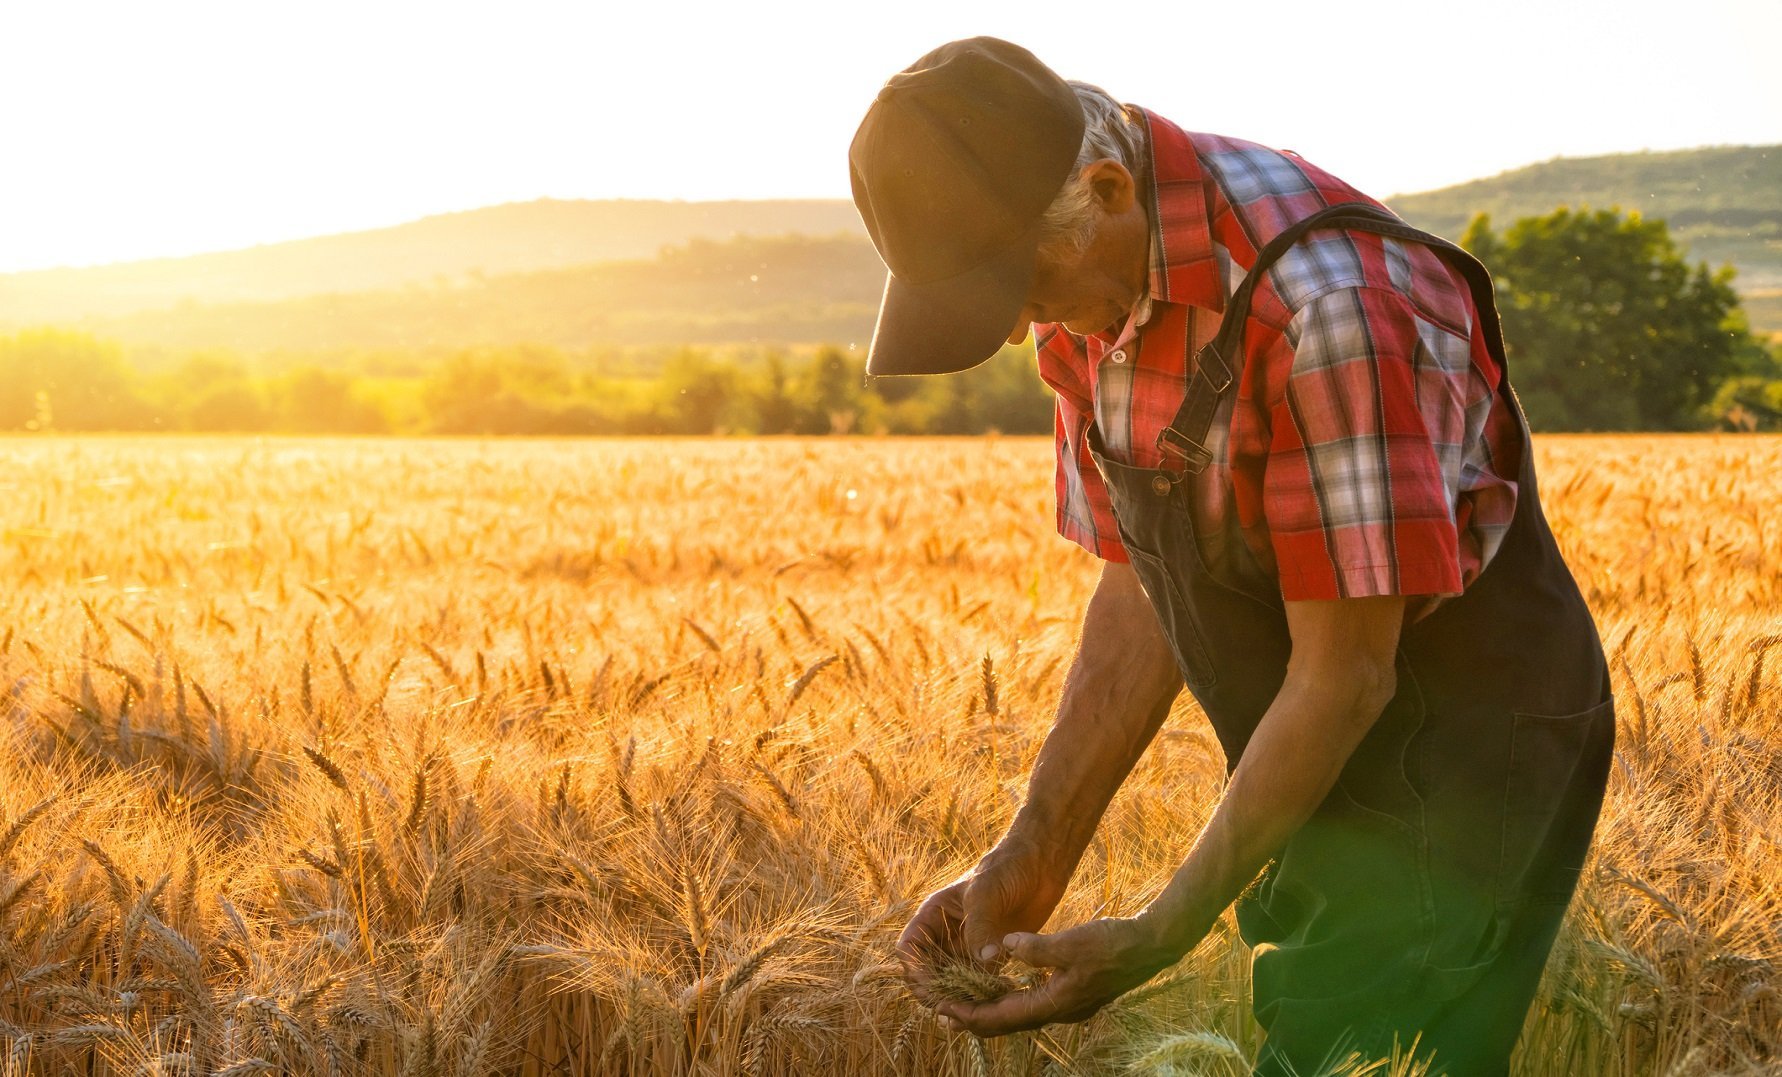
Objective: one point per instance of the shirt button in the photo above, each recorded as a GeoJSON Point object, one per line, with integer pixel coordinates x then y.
{"type": "Point", "coordinates": [1118, 356]}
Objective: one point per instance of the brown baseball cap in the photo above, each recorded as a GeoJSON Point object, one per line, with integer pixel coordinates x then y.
{"type": "Point", "coordinates": [952, 168]}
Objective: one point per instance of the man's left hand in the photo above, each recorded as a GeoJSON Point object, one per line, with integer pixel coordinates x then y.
{"type": "Point", "coordinates": [1090, 965]}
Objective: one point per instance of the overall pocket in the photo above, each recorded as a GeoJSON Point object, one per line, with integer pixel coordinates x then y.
{"type": "Point", "coordinates": [1173, 614]}
{"type": "Point", "coordinates": [1378, 776]}
{"type": "Point", "coordinates": [1552, 796]}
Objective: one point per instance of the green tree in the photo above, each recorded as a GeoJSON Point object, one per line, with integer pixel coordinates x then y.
{"type": "Point", "coordinates": [831, 395]}
{"type": "Point", "coordinates": [1004, 394]}
{"type": "Point", "coordinates": [775, 406]}
{"type": "Point", "coordinates": [313, 400]}
{"type": "Point", "coordinates": [64, 380]}
{"type": "Point", "coordinates": [214, 391]}
{"type": "Point", "coordinates": [1608, 326]}
{"type": "Point", "coordinates": [1751, 400]}
{"type": "Point", "coordinates": [702, 395]}
{"type": "Point", "coordinates": [518, 390]}
{"type": "Point", "coordinates": [235, 407]}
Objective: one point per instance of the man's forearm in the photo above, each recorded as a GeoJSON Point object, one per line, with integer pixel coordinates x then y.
{"type": "Point", "coordinates": [1116, 695]}
{"type": "Point", "coordinates": [1321, 714]}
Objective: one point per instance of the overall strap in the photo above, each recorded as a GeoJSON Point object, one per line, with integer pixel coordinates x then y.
{"type": "Point", "coordinates": [1186, 435]}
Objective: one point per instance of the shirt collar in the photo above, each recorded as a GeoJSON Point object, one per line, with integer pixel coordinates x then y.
{"type": "Point", "coordinates": [1184, 268]}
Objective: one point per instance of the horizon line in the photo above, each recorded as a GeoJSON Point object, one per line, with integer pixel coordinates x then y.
{"type": "Point", "coordinates": [427, 216]}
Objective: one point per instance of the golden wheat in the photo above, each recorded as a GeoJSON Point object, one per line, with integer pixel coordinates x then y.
{"type": "Point", "coordinates": [392, 757]}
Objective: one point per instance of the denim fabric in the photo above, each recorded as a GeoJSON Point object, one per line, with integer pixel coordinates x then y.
{"type": "Point", "coordinates": [1424, 895]}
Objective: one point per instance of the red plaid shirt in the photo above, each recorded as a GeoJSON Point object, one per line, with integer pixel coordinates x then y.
{"type": "Point", "coordinates": [1364, 450]}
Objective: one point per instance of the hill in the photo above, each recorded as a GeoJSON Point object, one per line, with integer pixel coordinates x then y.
{"type": "Point", "coordinates": [576, 273]}
{"type": "Point", "coordinates": [1723, 203]}
{"type": "Point", "coordinates": [783, 290]}
{"type": "Point", "coordinates": [514, 238]}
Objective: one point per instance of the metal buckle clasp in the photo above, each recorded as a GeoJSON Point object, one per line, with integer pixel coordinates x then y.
{"type": "Point", "coordinates": [1209, 363]}
{"type": "Point", "coordinates": [1195, 456]}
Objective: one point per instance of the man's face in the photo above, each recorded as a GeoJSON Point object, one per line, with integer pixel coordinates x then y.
{"type": "Point", "coordinates": [1079, 294]}
{"type": "Point", "coordinates": [1091, 291]}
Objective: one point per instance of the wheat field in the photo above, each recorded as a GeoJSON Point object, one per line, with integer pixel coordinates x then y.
{"type": "Point", "coordinates": [472, 757]}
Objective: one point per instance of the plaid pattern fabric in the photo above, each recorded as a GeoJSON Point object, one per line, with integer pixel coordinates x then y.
{"type": "Point", "coordinates": [1364, 450]}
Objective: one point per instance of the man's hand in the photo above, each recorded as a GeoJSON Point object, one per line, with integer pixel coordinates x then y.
{"type": "Point", "coordinates": [1116, 694]}
{"type": "Point", "coordinates": [1091, 965]}
{"type": "Point", "coordinates": [1013, 889]}
{"type": "Point", "coordinates": [1340, 676]}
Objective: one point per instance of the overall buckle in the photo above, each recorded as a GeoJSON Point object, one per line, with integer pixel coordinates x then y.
{"type": "Point", "coordinates": [1193, 454]}
{"type": "Point", "coordinates": [1210, 364]}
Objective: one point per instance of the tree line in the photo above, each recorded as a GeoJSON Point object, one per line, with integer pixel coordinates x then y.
{"type": "Point", "coordinates": [58, 379]}
{"type": "Point", "coordinates": [1610, 327]}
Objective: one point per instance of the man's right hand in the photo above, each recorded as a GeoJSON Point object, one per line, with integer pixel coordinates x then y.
{"type": "Point", "coordinates": [1117, 693]}
{"type": "Point", "coordinates": [1014, 888]}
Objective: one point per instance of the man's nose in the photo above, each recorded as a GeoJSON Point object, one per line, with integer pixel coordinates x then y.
{"type": "Point", "coordinates": [1022, 325]}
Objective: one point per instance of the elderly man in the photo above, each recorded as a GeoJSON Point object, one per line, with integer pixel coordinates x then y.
{"type": "Point", "coordinates": [1283, 423]}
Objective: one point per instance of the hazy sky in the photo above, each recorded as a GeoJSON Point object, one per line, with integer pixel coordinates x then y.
{"type": "Point", "coordinates": [138, 129]}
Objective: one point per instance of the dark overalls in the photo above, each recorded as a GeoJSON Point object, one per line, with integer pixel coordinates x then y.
{"type": "Point", "coordinates": [1425, 893]}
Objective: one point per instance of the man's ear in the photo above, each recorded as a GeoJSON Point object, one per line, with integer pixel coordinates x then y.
{"type": "Point", "coordinates": [1115, 189]}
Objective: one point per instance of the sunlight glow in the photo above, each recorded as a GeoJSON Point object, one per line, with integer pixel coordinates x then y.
{"type": "Point", "coordinates": [139, 130]}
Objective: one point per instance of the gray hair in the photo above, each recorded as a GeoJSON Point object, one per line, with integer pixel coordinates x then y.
{"type": "Point", "coordinates": [1110, 131]}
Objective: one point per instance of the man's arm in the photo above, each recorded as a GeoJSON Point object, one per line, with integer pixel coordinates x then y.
{"type": "Point", "coordinates": [1340, 677]}
{"type": "Point", "coordinates": [1117, 693]}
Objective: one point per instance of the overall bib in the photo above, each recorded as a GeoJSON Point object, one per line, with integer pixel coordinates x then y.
{"type": "Point", "coordinates": [1424, 894]}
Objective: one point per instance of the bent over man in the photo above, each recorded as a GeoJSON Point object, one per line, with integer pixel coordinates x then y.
{"type": "Point", "coordinates": [1284, 424]}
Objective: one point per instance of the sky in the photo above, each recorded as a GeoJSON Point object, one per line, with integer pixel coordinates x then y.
{"type": "Point", "coordinates": [132, 130]}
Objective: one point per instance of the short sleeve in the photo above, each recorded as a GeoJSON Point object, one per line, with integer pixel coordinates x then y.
{"type": "Point", "coordinates": [1354, 492]}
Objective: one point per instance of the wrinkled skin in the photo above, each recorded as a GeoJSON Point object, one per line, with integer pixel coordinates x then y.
{"type": "Point", "coordinates": [1012, 890]}
{"type": "Point", "coordinates": [1089, 966]}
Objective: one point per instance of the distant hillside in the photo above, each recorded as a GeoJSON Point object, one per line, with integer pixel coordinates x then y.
{"type": "Point", "coordinates": [785, 290]}
{"type": "Point", "coordinates": [1723, 203]}
{"type": "Point", "coordinates": [514, 238]}
{"type": "Point", "coordinates": [576, 273]}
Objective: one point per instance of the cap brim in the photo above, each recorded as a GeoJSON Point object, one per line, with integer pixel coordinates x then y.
{"type": "Point", "coordinates": [950, 325]}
